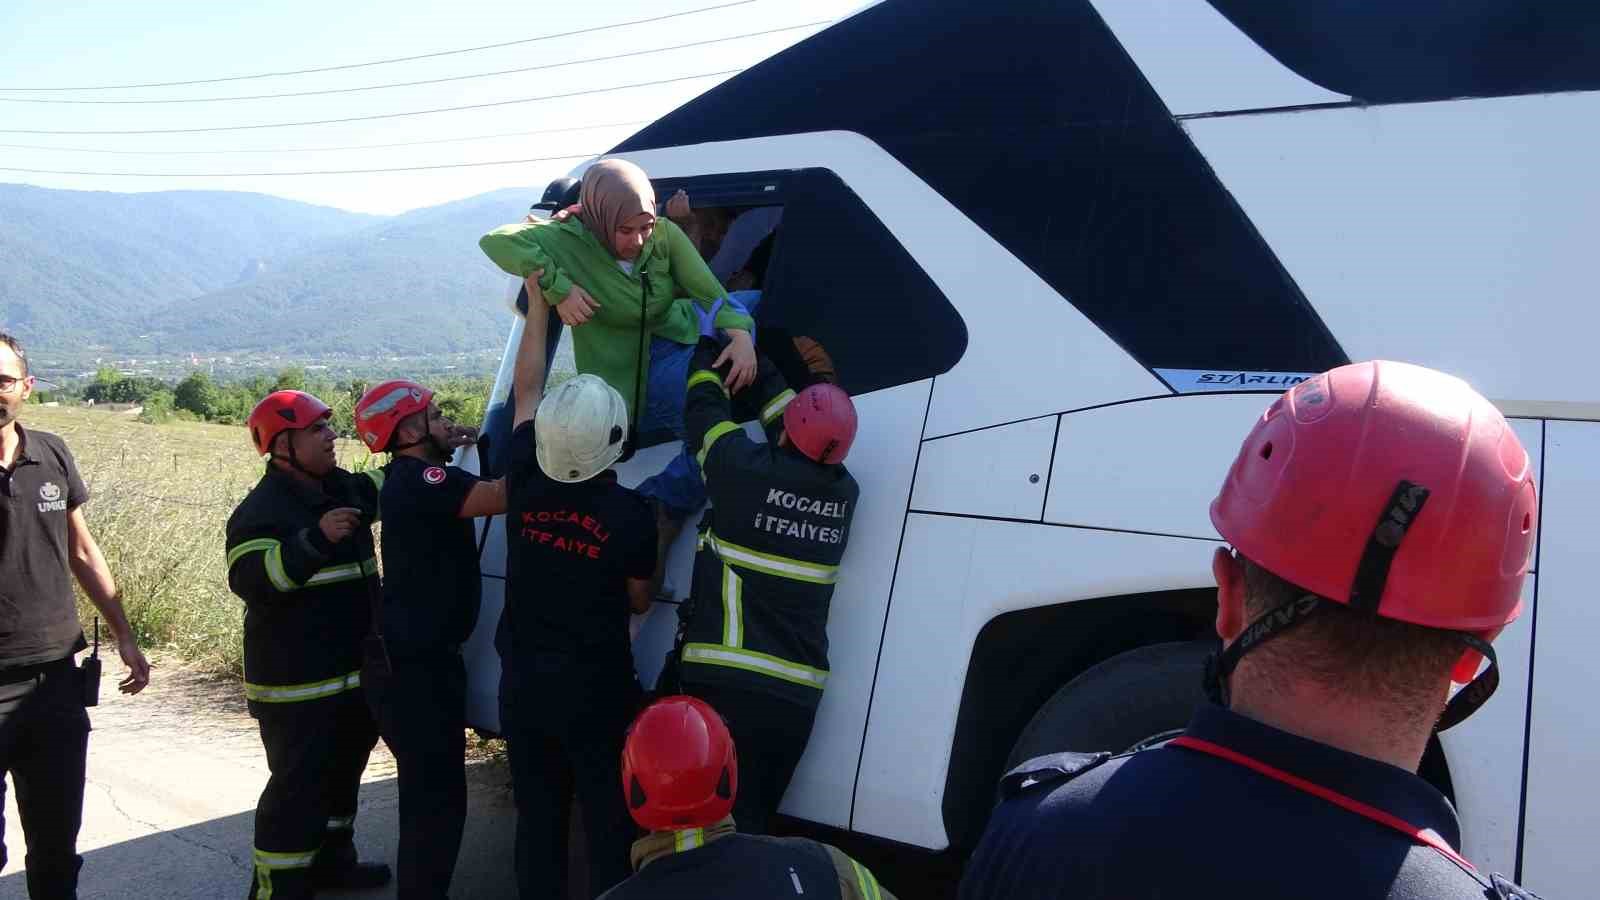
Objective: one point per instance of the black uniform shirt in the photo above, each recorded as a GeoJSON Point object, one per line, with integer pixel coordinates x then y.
{"type": "Point", "coordinates": [38, 615]}
{"type": "Point", "coordinates": [570, 549]}
{"type": "Point", "coordinates": [308, 603]}
{"type": "Point", "coordinates": [1175, 822]}
{"type": "Point", "coordinates": [772, 545]}
{"type": "Point", "coordinates": [431, 584]}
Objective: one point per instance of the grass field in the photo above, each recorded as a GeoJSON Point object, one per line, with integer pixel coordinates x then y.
{"type": "Point", "coordinates": [160, 499]}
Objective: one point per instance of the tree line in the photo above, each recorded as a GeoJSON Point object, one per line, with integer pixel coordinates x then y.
{"type": "Point", "coordinates": [199, 397]}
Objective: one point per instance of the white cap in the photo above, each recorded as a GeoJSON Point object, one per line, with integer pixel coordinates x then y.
{"type": "Point", "coordinates": [580, 429]}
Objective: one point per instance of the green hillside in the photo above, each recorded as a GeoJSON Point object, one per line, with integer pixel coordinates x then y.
{"type": "Point", "coordinates": [412, 285]}
{"type": "Point", "coordinates": [215, 272]}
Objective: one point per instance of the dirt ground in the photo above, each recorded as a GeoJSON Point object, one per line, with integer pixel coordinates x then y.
{"type": "Point", "coordinates": [174, 774]}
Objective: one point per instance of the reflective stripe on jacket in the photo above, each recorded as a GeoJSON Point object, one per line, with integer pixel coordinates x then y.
{"type": "Point", "coordinates": [307, 603]}
{"type": "Point", "coordinates": [769, 556]}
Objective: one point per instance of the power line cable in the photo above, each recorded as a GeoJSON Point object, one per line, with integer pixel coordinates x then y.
{"type": "Point", "coordinates": [235, 151]}
{"type": "Point", "coordinates": [384, 62]}
{"type": "Point", "coordinates": [461, 165]}
{"type": "Point", "coordinates": [398, 115]}
{"type": "Point", "coordinates": [399, 84]}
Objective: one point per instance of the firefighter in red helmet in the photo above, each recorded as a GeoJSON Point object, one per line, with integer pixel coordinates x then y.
{"type": "Point", "coordinates": [416, 682]}
{"type": "Point", "coordinates": [680, 776]}
{"type": "Point", "coordinates": [1381, 517]}
{"type": "Point", "coordinates": [755, 639]}
{"type": "Point", "coordinates": [299, 553]}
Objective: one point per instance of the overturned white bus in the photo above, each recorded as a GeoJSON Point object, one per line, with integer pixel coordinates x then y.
{"type": "Point", "coordinates": [1063, 252]}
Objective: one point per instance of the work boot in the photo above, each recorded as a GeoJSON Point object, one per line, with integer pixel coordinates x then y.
{"type": "Point", "coordinates": [336, 868]}
{"type": "Point", "coordinates": [361, 876]}
{"type": "Point", "coordinates": [285, 887]}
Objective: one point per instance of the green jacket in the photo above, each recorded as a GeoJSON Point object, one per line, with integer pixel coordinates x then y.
{"type": "Point", "coordinates": [608, 345]}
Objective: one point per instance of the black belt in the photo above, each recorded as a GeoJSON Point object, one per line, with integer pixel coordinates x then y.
{"type": "Point", "coordinates": [15, 674]}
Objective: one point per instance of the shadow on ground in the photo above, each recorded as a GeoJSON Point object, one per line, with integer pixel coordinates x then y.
{"type": "Point", "coordinates": [211, 859]}
{"type": "Point", "coordinates": [175, 772]}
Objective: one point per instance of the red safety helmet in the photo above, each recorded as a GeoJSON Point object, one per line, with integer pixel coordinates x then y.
{"type": "Point", "coordinates": [282, 411]}
{"type": "Point", "coordinates": [821, 422]}
{"type": "Point", "coordinates": [1392, 489]}
{"type": "Point", "coordinates": [679, 767]}
{"type": "Point", "coordinates": [381, 409]}
{"type": "Point", "coordinates": [1320, 471]}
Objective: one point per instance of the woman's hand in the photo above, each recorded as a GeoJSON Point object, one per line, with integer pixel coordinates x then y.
{"type": "Point", "coordinates": [741, 352]}
{"type": "Point", "coordinates": [578, 308]}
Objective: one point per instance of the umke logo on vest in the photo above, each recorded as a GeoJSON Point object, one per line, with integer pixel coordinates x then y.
{"type": "Point", "coordinates": [50, 498]}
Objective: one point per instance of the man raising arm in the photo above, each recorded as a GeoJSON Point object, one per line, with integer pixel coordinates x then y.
{"type": "Point", "coordinates": [580, 550]}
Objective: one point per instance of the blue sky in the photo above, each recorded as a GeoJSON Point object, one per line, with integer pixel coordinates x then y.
{"type": "Point", "coordinates": [46, 43]}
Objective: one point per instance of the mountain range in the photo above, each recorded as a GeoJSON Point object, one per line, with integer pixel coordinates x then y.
{"type": "Point", "coordinates": [220, 272]}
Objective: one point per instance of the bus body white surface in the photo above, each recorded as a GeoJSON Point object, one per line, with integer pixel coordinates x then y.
{"type": "Point", "coordinates": [1040, 438]}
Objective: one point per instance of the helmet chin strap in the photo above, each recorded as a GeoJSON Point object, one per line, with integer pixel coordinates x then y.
{"type": "Point", "coordinates": [1372, 572]}
{"type": "Point", "coordinates": [441, 452]}
{"type": "Point", "coordinates": [294, 460]}
{"type": "Point", "coordinates": [1276, 621]}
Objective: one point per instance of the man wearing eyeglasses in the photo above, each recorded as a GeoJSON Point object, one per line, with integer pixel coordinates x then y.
{"type": "Point", "coordinates": [44, 729]}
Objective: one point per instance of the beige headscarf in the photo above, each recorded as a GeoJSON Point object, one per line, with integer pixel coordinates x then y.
{"type": "Point", "coordinates": [613, 191]}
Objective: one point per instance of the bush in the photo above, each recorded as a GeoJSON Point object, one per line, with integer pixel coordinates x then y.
{"type": "Point", "coordinates": [290, 379]}
{"type": "Point", "coordinates": [123, 390]}
{"type": "Point", "coordinates": [198, 394]}
{"type": "Point", "coordinates": [158, 408]}
{"type": "Point", "coordinates": [462, 407]}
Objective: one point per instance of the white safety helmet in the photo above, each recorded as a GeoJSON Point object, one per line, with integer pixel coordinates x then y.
{"type": "Point", "coordinates": [580, 428]}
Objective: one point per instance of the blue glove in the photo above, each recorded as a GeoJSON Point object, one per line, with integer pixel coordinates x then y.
{"type": "Point", "coordinates": [708, 327]}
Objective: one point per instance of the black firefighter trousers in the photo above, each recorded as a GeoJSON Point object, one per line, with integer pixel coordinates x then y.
{"type": "Point", "coordinates": [565, 734]}
{"type": "Point", "coordinates": [316, 751]}
{"type": "Point", "coordinates": [421, 711]}
{"type": "Point", "coordinates": [44, 739]}
{"type": "Point", "coordinates": [770, 736]}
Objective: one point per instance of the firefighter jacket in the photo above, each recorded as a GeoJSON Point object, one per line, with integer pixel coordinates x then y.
{"type": "Point", "coordinates": [769, 548]}
{"type": "Point", "coordinates": [718, 862]}
{"type": "Point", "coordinates": [308, 603]}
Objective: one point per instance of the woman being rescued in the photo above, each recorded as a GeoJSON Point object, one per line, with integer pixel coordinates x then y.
{"type": "Point", "coordinates": [633, 289]}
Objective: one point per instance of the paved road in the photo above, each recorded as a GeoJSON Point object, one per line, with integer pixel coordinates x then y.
{"type": "Point", "coordinates": [174, 775]}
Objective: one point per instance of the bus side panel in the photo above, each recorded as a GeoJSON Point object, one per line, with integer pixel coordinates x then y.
{"type": "Point", "coordinates": [955, 575]}
{"type": "Point", "coordinates": [1199, 62]}
{"type": "Point", "coordinates": [1484, 753]}
{"type": "Point", "coordinates": [482, 661]}
{"type": "Point", "coordinates": [882, 461]}
{"type": "Point", "coordinates": [1564, 733]}
{"type": "Point", "coordinates": [1457, 235]}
